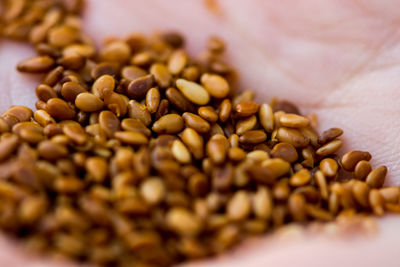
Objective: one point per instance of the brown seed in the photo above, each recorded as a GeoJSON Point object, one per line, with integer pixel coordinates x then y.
{"type": "Point", "coordinates": [138, 88]}
{"type": "Point", "coordinates": [246, 124]}
{"type": "Point", "coordinates": [208, 113]}
{"type": "Point", "coordinates": [191, 73]}
{"type": "Point", "coordinates": [329, 167]}
{"type": "Point", "coordinates": [109, 122]}
{"type": "Point", "coordinates": [390, 194]}
{"type": "Point", "coordinates": [135, 125]}
{"type": "Point", "coordinates": [168, 124]}
{"type": "Point", "coordinates": [330, 135]}
{"type": "Point", "coordinates": [215, 84]}
{"type": "Point", "coordinates": [194, 92]}
{"type": "Point", "coordinates": [68, 184]}
{"type": "Point", "coordinates": [322, 184]}
{"type": "Point", "coordinates": [139, 111]}
{"type": "Point", "coordinates": [300, 178]}
{"type": "Point", "coordinates": [75, 133]}
{"type": "Point", "coordinates": [62, 35]}
{"type": "Point", "coordinates": [88, 102]}
{"type": "Point", "coordinates": [43, 118]}
{"type": "Point", "coordinates": [132, 72]}
{"type": "Point", "coordinates": [262, 203]}
{"type": "Point", "coordinates": [8, 146]}
{"type": "Point", "coordinates": [270, 170]}
{"type": "Point", "coordinates": [20, 112]}
{"type": "Point", "coordinates": [292, 136]}
{"type": "Point", "coordinates": [266, 117]}
{"type": "Point", "coordinates": [153, 98]}
{"type": "Point", "coordinates": [153, 190]}
{"type": "Point", "coordinates": [142, 59]}
{"type": "Point", "coordinates": [174, 39]}
{"type": "Point", "coordinates": [162, 109]}
{"type": "Point", "coordinates": [350, 159]}
{"type": "Point", "coordinates": [178, 100]}
{"type": "Point", "coordinates": [117, 51]}
{"type": "Point", "coordinates": [59, 109]}
{"type": "Point", "coordinates": [97, 169]}
{"type": "Point", "coordinates": [285, 106]}
{"type": "Point", "coordinates": [103, 83]}
{"type": "Point", "coordinates": [246, 108]}
{"type": "Point", "coordinates": [376, 201]}
{"type": "Point", "coordinates": [258, 155]}
{"type": "Point", "coordinates": [177, 61]}
{"type": "Point", "coordinates": [293, 121]}
{"type": "Point", "coordinates": [37, 64]}
{"type": "Point", "coordinates": [53, 76]}
{"type": "Point", "coordinates": [297, 207]}
{"type": "Point", "coordinates": [183, 222]}
{"type": "Point", "coordinates": [239, 206]}
{"type": "Point", "coordinates": [161, 74]}
{"type": "Point", "coordinates": [180, 152]}
{"type": "Point", "coordinates": [225, 110]}
{"type": "Point", "coordinates": [72, 61]}
{"type": "Point", "coordinates": [194, 142]}
{"type": "Point", "coordinates": [247, 95]}
{"type": "Point", "coordinates": [281, 190]}
{"type": "Point", "coordinates": [51, 151]}
{"type": "Point", "coordinates": [360, 192]}
{"type": "Point", "coordinates": [284, 151]}
{"type": "Point", "coordinates": [362, 169]}
{"type": "Point", "coordinates": [70, 90]}
{"type": "Point", "coordinates": [376, 178]}
{"type": "Point", "coordinates": [217, 149]}
{"type": "Point", "coordinates": [196, 122]}
{"type": "Point", "coordinates": [131, 138]}
{"type": "Point", "coordinates": [81, 49]}
{"type": "Point", "coordinates": [329, 148]}
{"type": "Point", "coordinates": [253, 137]}
{"type": "Point", "coordinates": [45, 92]}
{"type": "Point", "coordinates": [104, 68]}
{"type": "Point", "coordinates": [236, 154]}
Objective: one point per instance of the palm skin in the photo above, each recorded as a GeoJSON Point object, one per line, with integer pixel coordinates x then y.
{"type": "Point", "coordinates": [338, 59]}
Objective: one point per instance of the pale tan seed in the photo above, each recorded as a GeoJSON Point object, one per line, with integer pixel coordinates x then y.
{"type": "Point", "coordinates": [183, 222]}
{"type": "Point", "coordinates": [360, 192]}
{"type": "Point", "coordinates": [376, 201]}
{"type": "Point", "coordinates": [196, 122]}
{"type": "Point", "coordinates": [193, 91]}
{"type": "Point", "coordinates": [97, 168]}
{"type": "Point", "coordinates": [194, 142]}
{"type": "Point", "coordinates": [180, 152]}
{"type": "Point", "coordinates": [239, 206]}
{"type": "Point", "coordinates": [329, 167]}
{"type": "Point", "coordinates": [59, 109]}
{"type": "Point", "coordinates": [131, 138]}
{"type": "Point", "coordinates": [234, 140]}
{"type": "Point", "coordinates": [153, 190]}
{"type": "Point", "coordinates": [215, 84]}
{"type": "Point", "coordinates": [376, 178]}
{"type": "Point", "coordinates": [37, 64]}
{"type": "Point", "coordinates": [390, 194]}
{"type": "Point", "coordinates": [102, 83]}
{"type": "Point", "coordinates": [153, 99]}
{"type": "Point", "coordinates": [262, 203]}
{"type": "Point", "coordinates": [208, 113]}
{"type": "Point", "coordinates": [168, 124]}
{"type": "Point", "coordinates": [300, 178]}
{"type": "Point", "coordinates": [322, 184]}
{"type": "Point", "coordinates": [266, 117]}
{"type": "Point", "coordinates": [350, 159]}
{"type": "Point", "coordinates": [329, 148]}
{"type": "Point", "coordinates": [246, 124]}
{"type": "Point", "coordinates": [362, 169]}
{"type": "Point", "coordinates": [139, 111]}
{"type": "Point", "coordinates": [293, 121]}
{"type": "Point", "coordinates": [177, 61]}
{"type": "Point", "coordinates": [292, 136]}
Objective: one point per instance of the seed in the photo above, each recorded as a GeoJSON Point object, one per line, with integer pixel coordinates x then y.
{"type": "Point", "coordinates": [292, 136]}
{"type": "Point", "coordinates": [109, 122]}
{"type": "Point", "coordinates": [20, 112]}
{"type": "Point", "coordinates": [72, 61]}
{"type": "Point", "coordinates": [376, 201]}
{"type": "Point", "coordinates": [103, 83]}
{"type": "Point", "coordinates": [300, 178]}
{"type": "Point", "coordinates": [239, 206]}
{"type": "Point", "coordinates": [234, 140]}
{"type": "Point", "coordinates": [266, 117]}
{"type": "Point", "coordinates": [178, 100]}
{"type": "Point", "coordinates": [350, 159]}
{"type": "Point", "coordinates": [153, 98]}
{"type": "Point", "coordinates": [37, 64]}
{"type": "Point", "coordinates": [257, 155]}
{"type": "Point", "coordinates": [236, 154]}
{"type": "Point", "coordinates": [285, 106]}
{"type": "Point", "coordinates": [132, 72]}
{"type": "Point", "coordinates": [215, 84]}
{"type": "Point", "coordinates": [138, 88]}
{"type": "Point", "coordinates": [285, 151]}
{"type": "Point", "coordinates": [321, 182]}
{"type": "Point", "coordinates": [376, 178]}
{"type": "Point", "coordinates": [117, 51]}
{"type": "Point", "coordinates": [97, 169]}
{"type": "Point", "coordinates": [318, 213]}
{"type": "Point", "coordinates": [246, 124]}
{"type": "Point", "coordinates": [329, 167]}
{"type": "Point", "coordinates": [194, 142]}
{"type": "Point", "coordinates": [390, 194]}
{"type": "Point", "coordinates": [247, 95]}
{"type": "Point", "coordinates": [162, 109]}
{"type": "Point", "coordinates": [161, 74]}
{"type": "Point", "coordinates": [88, 102]}
{"type": "Point", "coordinates": [168, 124]}
{"type": "Point", "coordinates": [225, 110]}
{"type": "Point", "coordinates": [208, 113]}
{"type": "Point", "coordinates": [59, 109]}
{"type": "Point", "coordinates": [329, 148]}
{"type": "Point", "coordinates": [297, 207]}
{"type": "Point", "coordinates": [177, 61]}
{"type": "Point", "coordinates": [196, 122]}
{"type": "Point", "coordinates": [253, 137]}
{"type": "Point", "coordinates": [183, 222]}
{"type": "Point", "coordinates": [53, 76]}
{"type": "Point", "coordinates": [70, 90]}
{"type": "Point", "coordinates": [51, 151]}
{"type": "Point", "coordinates": [180, 152]}
{"type": "Point", "coordinates": [153, 190]}
{"type": "Point", "coordinates": [246, 108]}
{"type": "Point", "coordinates": [131, 138]}
{"type": "Point", "coordinates": [139, 111]}
{"type": "Point", "coordinates": [362, 169]}
{"type": "Point", "coordinates": [31, 210]}
{"type": "Point", "coordinates": [174, 39]}
{"type": "Point", "coordinates": [330, 135]}
{"type": "Point", "coordinates": [270, 170]}
{"type": "Point", "coordinates": [45, 92]}
{"type": "Point", "coordinates": [8, 146]}
{"type": "Point", "coordinates": [360, 192]}
{"type": "Point", "coordinates": [193, 91]}
{"type": "Point", "coordinates": [262, 203]}
{"type": "Point", "coordinates": [62, 35]}
{"type": "Point", "coordinates": [68, 184]}
{"type": "Point", "coordinates": [135, 125]}
{"type": "Point", "coordinates": [217, 149]}
{"type": "Point", "coordinates": [293, 121]}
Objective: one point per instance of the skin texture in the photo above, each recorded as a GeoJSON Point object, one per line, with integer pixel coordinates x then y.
{"type": "Point", "coordinates": [338, 59]}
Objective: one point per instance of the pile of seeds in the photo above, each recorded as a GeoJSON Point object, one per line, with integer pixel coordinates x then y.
{"type": "Point", "coordinates": [140, 155]}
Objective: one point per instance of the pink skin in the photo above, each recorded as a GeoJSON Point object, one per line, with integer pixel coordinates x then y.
{"type": "Point", "coordinates": [336, 58]}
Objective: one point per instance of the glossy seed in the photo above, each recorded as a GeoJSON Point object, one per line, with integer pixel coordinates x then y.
{"type": "Point", "coordinates": [293, 121]}
{"type": "Point", "coordinates": [193, 91]}
{"type": "Point", "coordinates": [180, 152]}
{"type": "Point", "coordinates": [350, 159]}
{"type": "Point", "coordinates": [215, 84]}
{"type": "Point", "coordinates": [376, 178]}
{"type": "Point", "coordinates": [38, 64]}
{"type": "Point", "coordinates": [88, 102]}
{"type": "Point", "coordinates": [329, 148]}
{"type": "Point", "coordinates": [168, 124]}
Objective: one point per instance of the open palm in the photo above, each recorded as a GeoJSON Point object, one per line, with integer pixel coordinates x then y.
{"type": "Point", "coordinates": [338, 59]}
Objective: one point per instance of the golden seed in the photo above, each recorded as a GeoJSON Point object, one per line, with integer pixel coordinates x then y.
{"type": "Point", "coordinates": [266, 117]}
{"type": "Point", "coordinates": [118, 51]}
{"type": "Point", "coordinates": [225, 110]}
{"type": "Point", "coordinates": [88, 102]}
{"type": "Point", "coordinates": [247, 95]}
{"type": "Point", "coordinates": [196, 122]}
{"type": "Point", "coordinates": [292, 136]}
{"type": "Point", "coordinates": [390, 194]}
{"type": "Point", "coordinates": [318, 213]}
{"type": "Point", "coordinates": [161, 74]}
{"type": "Point", "coordinates": [253, 137]}
{"type": "Point", "coordinates": [8, 146]}
{"type": "Point", "coordinates": [153, 190]}
{"type": "Point", "coordinates": [376, 201]}
{"type": "Point", "coordinates": [180, 152]}
{"type": "Point", "coordinates": [97, 169]}
{"type": "Point", "coordinates": [215, 84]}
{"type": "Point", "coordinates": [193, 91]}
{"type": "Point", "coordinates": [246, 124]}
{"type": "Point", "coordinates": [59, 109]}
{"type": "Point", "coordinates": [329, 167]}
{"type": "Point", "coordinates": [135, 125]}
{"type": "Point", "coordinates": [239, 206]}
{"type": "Point", "coordinates": [262, 203]}
{"type": "Point", "coordinates": [246, 108]}
{"type": "Point", "coordinates": [285, 151]}
{"type": "Point", "coordinates": [329, 148]}
{"type": "Point", "coordinates": [70, 90]}
{"type": "Point", "coordinates": [330, 135]}
{"type": "Point", "coordinates": [177, 61]}
{"type": "Point", "coordinates": [102, 83]}
{"type": "Point", "coordinates": [300, 178]}
{"type": "Point", "coordinates": [131, 138]}
{"type": "Point", "coordinates": [168, 124]}
{"type": "Point", "coordinates": [236, 154]}
{"type": "Point", "coordinates": [208, 113]}
{"type": "Point", "coordinates": [194, 142]}
{"type": "Point", "coordinates": [85, 50]}
{"type": "Point", "coordinates": [37, 64]}
{"type": "Point", "coordinates": [75, 133]}
{"type": "Point", "coordinates": [360, 192]}
{"type": "Point", "coordinates": [153, 98]}
{"type": "Point", "coordinates": [362, 169]}
{"type": "Point", "coordinates": [183, 222]}
{"type": "Point", "coordinates": [376, 178]}
{"type": "Point", "coordinates": [293, 121]}
{"type": "Point", "coordinates": [297, 207]}
{"type": "Point", "coordinates": [178, 100]}
{"type": "Point", "coordinates": [132, 72]}
{"type": "Point", "coordinates": [62, 35]}
{"type": "Point", "coordinates": [350, 159]}
{"type": "Point", "coordinates": [109, 122]}
{"type": "Point", "coordinates": [322, 184]}
{"type": "Point", "coordinates": [257, 155]}
{"type": "Point", "coordinates": [51, 151]}
{"type": "Point", "coordinates": [217, 149]}
{"type": "Point", "coordinates": [139, 111]}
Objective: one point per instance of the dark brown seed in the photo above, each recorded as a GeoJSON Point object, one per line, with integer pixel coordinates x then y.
{"type": "Point", "coordinates": [59, 109]}
{"type": "Point", "coordinates": [38, 64]}
{"type": "Point", "coordinates": [104, 68]}
{"type": "Point", "coordinates": [376, 178]}
{"type": "Point", "coordinates": [162, 109]}
{"type": "Point", "coordinates": [350, 159]}
{"type": "Point", "coordinates": [138, 88]}
{"type": "Point", "coordinates": [174, 39]}
{"type": "Point", "coordinates": [178, 100]}
{"type": "Point", "coordinates": [330, 135]}
{"type": "Point", "coordinates": [53, 76]}
{"type": "Point", "coordinates": [285, 151]}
